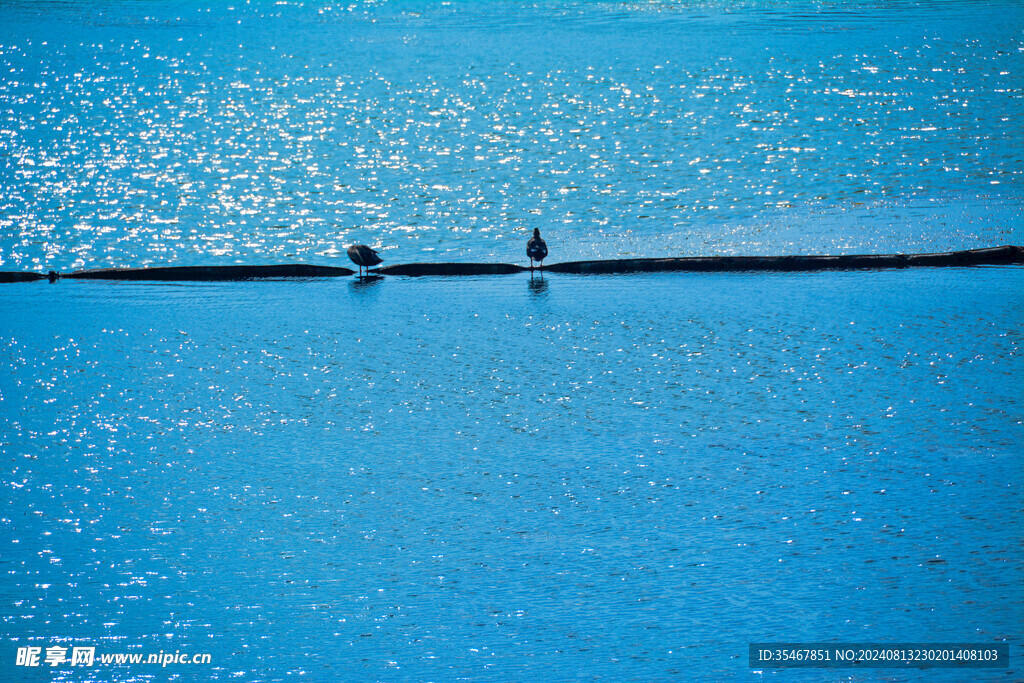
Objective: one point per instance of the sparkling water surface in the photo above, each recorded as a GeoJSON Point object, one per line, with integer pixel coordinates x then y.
{"type": "Point", "coordinates": [432, 479]}
{"type": "Point", "coordinates": [152, 133]}
{"type": "Point", "coordinates": [508, 477]}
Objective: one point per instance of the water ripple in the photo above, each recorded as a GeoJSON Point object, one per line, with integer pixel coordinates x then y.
{"type": "Point", "coordinates": [203, 140]}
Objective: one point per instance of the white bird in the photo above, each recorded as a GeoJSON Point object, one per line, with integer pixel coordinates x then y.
{"type": "Point", "coordinates": [363, 256]}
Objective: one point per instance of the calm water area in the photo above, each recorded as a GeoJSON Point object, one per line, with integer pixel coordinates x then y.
{"type": "Point", "coordinates": [508, 478]}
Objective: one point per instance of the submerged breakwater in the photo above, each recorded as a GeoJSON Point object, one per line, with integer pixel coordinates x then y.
{"type": "Point", "coordinates": [1005, 255]}
{"type": "Point", "coordinates": [972, 257]}
{"type": "Point", "coordinates": [211, 273]}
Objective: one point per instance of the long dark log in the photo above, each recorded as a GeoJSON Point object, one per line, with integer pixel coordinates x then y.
{"type": "Point", "coordinates": [211, 273]}
{"type": "Point", "coordinates": [1004, 255]}
{"type": "Point", "coordinates": [419, 269]}
{"type": "Point", "coordinates": [11, 276]}
{"type": "Point", "coordinates": [972, 257]}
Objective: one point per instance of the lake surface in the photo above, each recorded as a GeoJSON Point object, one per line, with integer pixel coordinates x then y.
{"type": "Point", "coordinates": [508, 477]}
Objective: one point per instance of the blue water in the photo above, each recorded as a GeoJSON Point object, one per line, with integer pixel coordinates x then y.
{"type": "Point", "coordinates": [506, 477]}
{"type": "Point", "coordinates": [141, 133]}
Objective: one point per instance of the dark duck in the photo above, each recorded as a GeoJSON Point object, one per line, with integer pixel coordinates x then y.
{"type": "Point", "coordinates": [363, 256]}
{"type": "Point", "coordinates": [536, 249]}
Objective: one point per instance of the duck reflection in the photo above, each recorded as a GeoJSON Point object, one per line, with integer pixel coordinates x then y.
{"type": "Point", "coordinates": [365, 283]}
{"type": "Point", "coordinates": [538, 285]}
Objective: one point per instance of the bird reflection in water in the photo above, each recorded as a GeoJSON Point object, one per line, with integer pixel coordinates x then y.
{"type": "Point", "coordinates": [365, 283]}
{"type": "Point", "coordinates": [538, 286]}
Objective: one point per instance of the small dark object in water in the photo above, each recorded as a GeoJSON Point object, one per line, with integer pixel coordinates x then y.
{"type": "Point", "coordinates": [536, 249]}
{"type": "Point", "coordinates": [363, 256]}
{"type": "Point", "coordinates": [52, 276]}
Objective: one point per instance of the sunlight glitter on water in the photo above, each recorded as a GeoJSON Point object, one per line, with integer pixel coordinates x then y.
{"type": "Point", "coordinates": [628, 462]}
{"type": "Point", "coordinates": [508, 477]}
{"type": "Point", "coordinates": [464, 144]}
